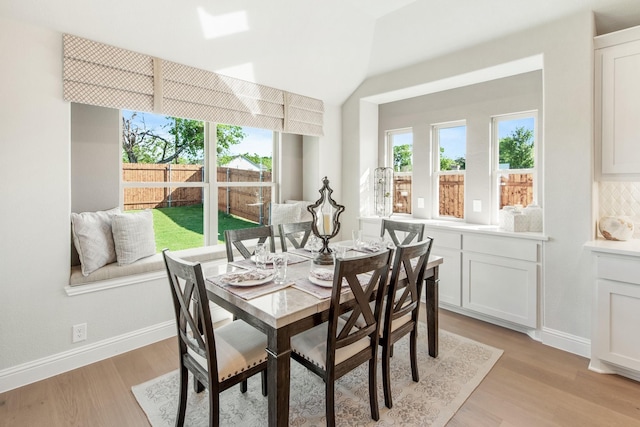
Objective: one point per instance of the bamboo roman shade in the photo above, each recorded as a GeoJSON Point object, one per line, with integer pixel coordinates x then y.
{"type": "Point", "coordinates": [103, 75]}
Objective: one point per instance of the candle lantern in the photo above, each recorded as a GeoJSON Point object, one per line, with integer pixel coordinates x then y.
{"type": "Point", "coordinates": [325, 225]}
{"type": "Point", "coordinates": [383, 191]}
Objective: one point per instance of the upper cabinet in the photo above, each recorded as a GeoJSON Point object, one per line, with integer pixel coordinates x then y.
{"type": "Point", "coordinates": [617, 105]}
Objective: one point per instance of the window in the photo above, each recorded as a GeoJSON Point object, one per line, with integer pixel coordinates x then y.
{"type": "Point", "coordinates": [244, 177]}
{"type": "Point", "coordinates": [166, 167]}
{"type": "Point", "coordinates": [450, 145]}
{"type": "Point", "coordinates": [400, 158]}
{"type": "Point", "coordinates": [514, 167]}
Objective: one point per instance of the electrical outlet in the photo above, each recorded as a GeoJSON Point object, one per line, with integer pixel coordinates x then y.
{"type": "Point", "coordinates": [79, 332]}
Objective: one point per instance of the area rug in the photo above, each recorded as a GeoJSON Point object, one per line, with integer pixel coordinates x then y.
{"type": "Point", "coordinates": [445, 383]}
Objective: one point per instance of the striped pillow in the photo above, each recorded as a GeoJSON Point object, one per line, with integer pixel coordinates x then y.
{"type": "Point", "coordinates": [133, 236]}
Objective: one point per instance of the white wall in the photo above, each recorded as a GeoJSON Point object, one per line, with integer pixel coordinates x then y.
{"type": "Point", "coordinates": [95, 158]}
{"type": "Point", "coordinates": [36, 314]}
{"type": "Point", "coordinates": [566, 47]}
{"type": "Point", "coordinates": [290, 167]}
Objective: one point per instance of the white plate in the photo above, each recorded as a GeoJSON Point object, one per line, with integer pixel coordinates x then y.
{"type": "Point", "coordinates": [323, 283]}
{"type": "Point", "coordinates": [246, 282]}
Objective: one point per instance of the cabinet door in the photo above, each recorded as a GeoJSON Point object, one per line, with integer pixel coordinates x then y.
{"type": "Point", "coordinates": [500, 287]}
{"type": "Point", "coordinates": [618, 319]}
{"type": "Point", "coordinates": [620, 133]}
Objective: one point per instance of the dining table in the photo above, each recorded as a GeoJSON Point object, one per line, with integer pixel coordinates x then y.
{"type": "Point", "coordinates": [286, 309]}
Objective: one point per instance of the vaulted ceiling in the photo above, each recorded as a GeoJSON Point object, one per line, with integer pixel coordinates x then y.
{"type": "Point", "coordinates": [324, 49]}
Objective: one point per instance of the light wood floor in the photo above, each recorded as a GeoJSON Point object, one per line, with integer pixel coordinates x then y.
{"type": "Point", "coordinates": [531, 385]}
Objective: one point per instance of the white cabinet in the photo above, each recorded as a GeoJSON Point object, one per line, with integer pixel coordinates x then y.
{"type": "Point", "coordinates": [615, 344]}
{"type": "Point", "coordinates": [617, 97]}
{"type": "Point", "coordinates": [448, 245]}
{"type": "Point", "coordinates": [493, 276]}
{"type": "Point", "coordinates": [500, 278]}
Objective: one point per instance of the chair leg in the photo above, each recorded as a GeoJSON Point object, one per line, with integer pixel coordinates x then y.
{"type": "Point", "coordinates": [243, 386]}
{"type": "Point", "coordinates": [373, 387]}
{"type": "Point", "coordinates": [263, 376]}
{"type": "Point", "coordinates": [386, 376]}
{"type": "Point", "coordinates": [182, 402]}
{"type": "Point", "coordinates": [214, 409]}
{"type": "Point", "coordinates": [413, 353]}
{"type": "Point", "coordinates": [198, 387]}
{"type": "Point", "coordinates": [330, 402]}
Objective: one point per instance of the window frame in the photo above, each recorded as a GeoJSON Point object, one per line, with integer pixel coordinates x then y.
{"type": "Point", "coordinates": [497, 173]}
{"type": "Point", "coordinates": [389, 135]}
{"type": "Point", "coordinates": [209, 185]}
{"type": "Point", "coordinates": [436, 172]}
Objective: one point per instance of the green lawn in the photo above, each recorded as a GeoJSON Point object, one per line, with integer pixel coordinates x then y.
{"type": "Point", "coordinates": [181, 227]}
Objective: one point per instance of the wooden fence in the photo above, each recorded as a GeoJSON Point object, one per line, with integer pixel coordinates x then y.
{"type": "Point", "coordinates": [250, 203]}
{"type": "Point", "coordinates": [451, 196]}
{"type": "Point", "coordinates": [402, 194]}
{"type": "Point", "coordinates": [515, 189]}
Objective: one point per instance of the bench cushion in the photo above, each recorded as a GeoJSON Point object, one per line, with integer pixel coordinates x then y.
{"type": "Point", "coordinates": [144, 265]}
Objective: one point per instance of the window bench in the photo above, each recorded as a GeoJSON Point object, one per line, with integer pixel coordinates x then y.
{"type": "Point", "coordinates": [150, 268]}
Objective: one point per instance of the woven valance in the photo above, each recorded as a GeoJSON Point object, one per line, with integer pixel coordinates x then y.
{"type": "Point", "coordinates": [107, 76]}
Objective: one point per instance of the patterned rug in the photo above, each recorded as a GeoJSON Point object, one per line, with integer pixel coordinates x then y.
{"type": "Point", "coordinates": [445, 383]}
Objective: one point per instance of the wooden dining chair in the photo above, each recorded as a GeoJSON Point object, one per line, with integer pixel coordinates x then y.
{"type": "Point", "coordinates": [218, 359]}
{"type": "Point", "coordinates": [237, 238]}
{"type": "Point", "coordinates": [402, 307]}
{"type": "Point", "coordinates": [412, 231]}
{"type": "Point", "coordinates": [296, 232]}
{"type": "Point", "coordinates": [336, 347]}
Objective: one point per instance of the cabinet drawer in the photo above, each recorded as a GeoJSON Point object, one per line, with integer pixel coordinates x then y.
{"type": "Point", "coordinates": [444, 239]}
{"type": "Point", "coordinates": [526, 250]}
{"type": "Point", "coordinates": [619, 269]}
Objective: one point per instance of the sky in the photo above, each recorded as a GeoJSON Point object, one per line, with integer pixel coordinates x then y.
{"type": "Point", "coordinates": [257, 141]}
{"type": "Point", "coordinates": [454, 139]}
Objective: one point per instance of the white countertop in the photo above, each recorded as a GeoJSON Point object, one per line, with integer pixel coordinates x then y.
{"type": "Point", "coordinates": [629, 247]}
{"type": "Point", "coordinates": [465, 227]}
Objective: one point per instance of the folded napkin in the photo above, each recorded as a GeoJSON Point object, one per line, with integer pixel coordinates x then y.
{"type": "Point", "coordinates": [322, 274]}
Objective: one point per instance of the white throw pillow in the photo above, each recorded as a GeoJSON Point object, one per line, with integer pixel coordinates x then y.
{"type": "Point", "coordinates": [133, 236]}
{"type": "Point", "coordinates": [305, 215]}
{"type": "Point", "coordinates": [283, 214]}
{"type": "Point", "coordinates": [93, 239]}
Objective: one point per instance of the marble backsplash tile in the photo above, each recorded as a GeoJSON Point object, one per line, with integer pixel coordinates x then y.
{"type": "Point", "coordinates": [620, 199]}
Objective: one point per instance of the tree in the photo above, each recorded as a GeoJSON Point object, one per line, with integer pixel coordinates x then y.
{"type": "Point", "coordinates": [402, 157]}
{"type": "Point", "coordinates": [175, 141]}
{"type": "Point", "coordinates": [447, 164]}
{"type": "Point", "coordinates": [516, 150]}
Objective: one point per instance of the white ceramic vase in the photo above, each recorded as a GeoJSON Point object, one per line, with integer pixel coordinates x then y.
{"type": "Point", "coordinates": [616, 228]}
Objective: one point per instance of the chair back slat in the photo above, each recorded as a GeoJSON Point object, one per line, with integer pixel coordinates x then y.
{"type": "Point", "coordinates": [412, 231]}
{"type": "Point", "coordinates": [237, 238]}
{"type": "Point", "coordinates": [191, 307]}
{"type": "Point", "coordinates": [405, 285]}
{"type": "Point", "coordinates": [366, 278]}
{"type": "Point", "coordinates": [297, 233]}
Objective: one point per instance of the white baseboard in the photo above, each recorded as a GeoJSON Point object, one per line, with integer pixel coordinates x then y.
{"type": "Point", "coordinates": [30, 372]}
{"type": "Point", "coordinates": [567, 342]}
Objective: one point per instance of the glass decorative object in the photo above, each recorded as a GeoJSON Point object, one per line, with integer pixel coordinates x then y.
{"type": "Point", "coordinates": [325, 225]}
{"type": "Point", "coordinates": [383, 191]}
